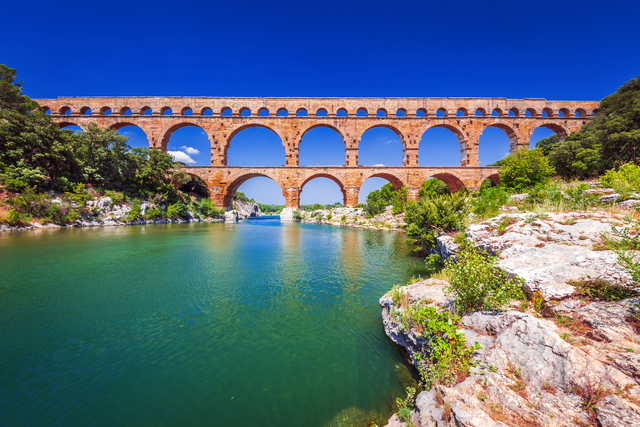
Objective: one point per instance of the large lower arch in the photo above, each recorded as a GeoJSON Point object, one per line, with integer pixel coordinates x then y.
{"type": "Point", "coordinates": [430, 158]}
{"type": "Point", "coordinates": [195, 148]}
{"type": "Point", "coordinates": [232, 187]}
{"type": "Point", "coordinates": [387, 147]}
{"type": "Point", "coordinates": [375, 181]}
{"type": "Point", "coordinates": [321, 145]}
{"type": "Point", "coordinates": [253, 153]}
{"type": "Point", "coordinates": [166, 134]}
{"type": "Point", "coordinates": [344, 190]}
{"type": "Point", "coordinates": [494, 144]}
{"type": "Point", "coordinates": [558, 129]}
{"type": "Point", "coordinates": [453, 182]}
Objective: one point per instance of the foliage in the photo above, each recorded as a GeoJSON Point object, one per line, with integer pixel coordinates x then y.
{"type": "Point", "coordinates": [378, 200]}
{"type": "Point", "coordinates": [15, 185]}
{"type": "Point", "coordinates": [505, 223]}
{"type": "Point", "coordinates": [449, 358]}
{"type": "Point", "coordinates": [433, 264]}
{"type": "Point", "coordinates": [135, 211]}
{"type": "Point", "coordinates": [153, 212]}
{"type": "Point", "coordinates": [548, 144]}
{"type": "Point", "coordinates": [487, 203]}
{"type": "Point", "coordinates": [626, 180]}
{"type": "Point", "coordinates": [611, 138]}
{"type": "Point", "coordinates": [601, 290]}
{"type": "Point", "coordinates": [16, 218]}
{"type": "Point", "coordinates": [406, 405]}
{"type": "Point", "coordinates": [177, 211]}
{"type": "Point", "coordinates": [524, 169]}
{"type": "Point", "coordinates": [297, 215]}
{"type": "Point", "coordinates": [476, 283]}
{"type": "Point", "coordinates": [79, 196]}
{"type": "Point", "coordinates": [433, 187]}
{"type": "Point", "coordinates": [430, 217]}
{"type": "Point", "coordinates": [537, 300]}
{"type": "Point", "coordinates": [241, 197]}
{"type": "Point", "coordinates": [317, 206]}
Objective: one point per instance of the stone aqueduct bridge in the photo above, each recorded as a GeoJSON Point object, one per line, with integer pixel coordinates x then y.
{"type": "Point", "coordinates": [292, 118]}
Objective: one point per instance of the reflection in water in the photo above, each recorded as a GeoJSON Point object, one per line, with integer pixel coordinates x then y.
{"type": "Point", "coordinates": [251, 323]}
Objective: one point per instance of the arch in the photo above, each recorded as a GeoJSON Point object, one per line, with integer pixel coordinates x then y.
{"type": "Point", "coordinates": [421, 112]}
{"type": "Point", "coordinates": [146, 111]}
{"type": "Point", "coordinates": [441, 112]}
{"type": "Point", "coordinates": [394, 180]}
{"type": "Point", "coordinates": [439, 148]}
{"type": "Point", "coordinates": [401, 112]}
{"type": "Point", "coordinates": [46, 110]}
{"type": "Point", "coordinates": [264, 112]}
{"type": "Point", "coordinates": [462, 112]}
{"type": "Point", "coordinates": [514, 112]}
{"type": "Point", "coordinates": [231, 188]}
{"type": "Point", "coordinates": [322, 112]}
{"type": "Point", "coordinates": [322, 145]}
{"type": "Point", "coordinates": [328, 176]}
{"type": "Point", "coordinates": [105, 111]}
{"type": "Point", "coordinates": [362, 112]}
{"type": "Point", "coordinates": [301, 112]}
{"type": "Point", "coordinates": [282, 112]}
{"type": "Point", "coordinates": [126, 111]}
{"type": "Point", "coordinates": [453, 182]}
{"type": "Point", "coordinates": [558, 129]}
{"type": "Point", "coordinates": [226, 111]}
{"type": "Point", "coordinates": [564, 112]}
{"type": "Point", "coordinates": [480, 112]}
{"type": "Point", "coordinates": [254, 147]}
{"type": "Point", "coordinates": [191, 146]}
{"type": "Point", "coordinates": [186, 111]}
{"type": "Point", "coordinates": [488, 182]}
{"type": "Point", "coordinates": [531, 112]}
{"type": "Point", "coordinates": [595, 111]}
{"type": "Point", "coordinates": [245, 112]}
{"type": "Point", "coordinates": [494, 145]}
{"type": "Point", "coordinates": [342, 112]}
{"type": "Point", "coordinates": [497, 112]}
{"type": "Point", "coordinates": [381, 113]}
{"type": "Point", "coordinates": [206, 111]}
{"type": "Point", "coordinates": [168, 132]}
{"type": "Point", "coordinates": [382, 154]}
{"type": "Point", "coordinates": [85, 111]}
{"type": "Point", "coordinates": [62, 125]}
{"type": "Point", "coordinates": [547, 112]}
{"type": "Point", "coordinates": [166, 111]}
{"type": "Point", "coordinates": [581, 113]}
{"type": "Point", "coordinates": [64, 111]}
{"type": "Point", "coordinates": [138, 137]}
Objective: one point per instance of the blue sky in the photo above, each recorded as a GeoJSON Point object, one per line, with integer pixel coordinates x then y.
{"type": "Point", "coordinates": [556, 50]}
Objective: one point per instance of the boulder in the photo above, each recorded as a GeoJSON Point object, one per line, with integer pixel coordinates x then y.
{"type": "Point", "coordinates": [286, 214]}
{"type": "Point", "coordinates": [609, 198]}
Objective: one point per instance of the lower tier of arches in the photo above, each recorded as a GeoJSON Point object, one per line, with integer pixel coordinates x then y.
{"type": "Point", "coordinates": [223, 182]}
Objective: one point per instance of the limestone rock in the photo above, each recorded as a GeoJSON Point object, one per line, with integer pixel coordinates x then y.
{"type": "Point", "coordinates": [609, 198]}
{"type": "Point", "coordinates": [286, 214]}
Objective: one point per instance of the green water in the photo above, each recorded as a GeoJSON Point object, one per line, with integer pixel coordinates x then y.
{"type": "Point", "coordinates": [226, 324]}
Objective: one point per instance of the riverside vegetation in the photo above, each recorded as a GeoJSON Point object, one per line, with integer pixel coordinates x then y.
{"type": "Point", "coordinates": [504, 287]}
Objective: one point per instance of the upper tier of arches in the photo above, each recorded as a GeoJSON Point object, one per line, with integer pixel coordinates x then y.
{"type": "Point", "coordinates": [322, 107]}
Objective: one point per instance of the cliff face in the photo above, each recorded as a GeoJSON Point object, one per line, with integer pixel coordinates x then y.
{"type": "Point", "coordinates": [575, 363]}
{"type": "Point", "coordinates": [246, 209]}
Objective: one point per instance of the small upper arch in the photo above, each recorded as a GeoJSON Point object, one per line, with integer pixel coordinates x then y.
{"type": "Point", "coordinates": [442, 112]}
{"type": "Point", "coordinates": [264, 112]}
{"type": "Point", "coordinates": [421, 112]}
{"type": "Point", "coordinates": [86, 111]}
{"type": "Point", "coordinates": [226, 111]}
{"type": "Point", "coordinates": [342, 112]}
{"type": "Point", "coordinates": [580, 112]}
{"type": "Point", "coordinates": [462, 112]}
{"type": "Point", "coordinates": [401, 112]}
{"type": "Point", "coordinates": [322, 112]}
{"type": "Point", "coordinates": [166, 111]}
{"type": "Point", "coordinates": [186, 110]}
{"type": "Point", "coordinates": [282, 112]}
{"type": "Point", "coordinates": [125, 111]}
{"type": "Point", "coordinates": [531, 112]}
{"type": "Point", "coordinates": [146, 110]}
{"type": "Point", "coordinates": [381, 112]}
{"type": "Point", "coordinates": [564, 112]}
{"type": "Point", "coordinates": [105, 111]}
{"type": "Point", "coordinates": [497, 112]}
{"type": "Point", "coordinates": [514, 112]}
{"type": "Point", "coordinates": [362, 112]}
{"type": "Point", "coordinates": [547, 112]}
{"type": "Point", "coordinates": [480, 112]}
{"type": "Point", "coordinates": [245, 112]}
{"type": "Point", "coordinates": [301, 112]}
{"type": "Point", "coordinates": [206, 111]}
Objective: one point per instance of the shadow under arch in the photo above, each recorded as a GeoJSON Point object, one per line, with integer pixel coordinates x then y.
{"type": "Point", "coordinates": [394, 180]}
{"type": "Point", "coordinates": [232, 187]}
{"type": "Point", "coordinates": [453, 182]}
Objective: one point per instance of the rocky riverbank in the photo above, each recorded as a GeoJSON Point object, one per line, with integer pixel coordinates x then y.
{"type": "Point", "coordinates": [574, 362]}
{"type": "Point", "coordinates": [348, 217]}
{"type": "Point", "coordinates": [102, 212]}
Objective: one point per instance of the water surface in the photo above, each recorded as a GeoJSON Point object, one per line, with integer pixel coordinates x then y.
{"type": "Point", "coordinates": [232, 324]}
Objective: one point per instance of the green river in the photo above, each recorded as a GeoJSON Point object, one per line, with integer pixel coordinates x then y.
{"type": "Point", "coordinates": [255, 323]}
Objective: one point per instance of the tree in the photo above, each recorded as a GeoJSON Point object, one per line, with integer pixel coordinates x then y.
{"type": "Point", "coordinates": [433, 187]}
{"type": "Point", "coordinates": [11, 97]}
{"type": "Point", "coordinates": [548, 144]}
{"type": "Point", "coordinates": [524, 169]}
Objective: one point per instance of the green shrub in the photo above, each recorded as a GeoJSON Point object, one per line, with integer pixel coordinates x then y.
{"type": "Point", "coordinates": [16, 218]}
{"type": "Point", "coordinates": [406, 405]}
{"type": "Point", "coordinates": [488, 202]}
{"type": "Point", "coordinates": [30, 202]}
{"type": "Point", "coordinates": [447, 359]}
{"type": "Point", "coordinates": [524, 169]}
{"type": "Point", "coordinates": [626, 180]}
{"type": "Point", "coordinates": [476, 283]}
{"type": "Point", "coordinates": [598, 289]}
{"type": "Point", "coordinates": [79, 196]}
{"type": "Point", "coordinates": [135, 211]}
{"type": "Point", "coordinates": [430, 217]}
{"type": "Point", "coordinates": [15, 185]}
{"type": "Point", "coordinates": [153, 213]}
{"type": "Point", "coordinates": [329, 216]}
{"type": "Point", "coordinates": [116, 197]}
{"type": "Point", "coordinates": [63, 185]}
{"type": "Point", "coordinates": [177, 211]}
{"type": "Point", "coordinates": [297, 215]}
